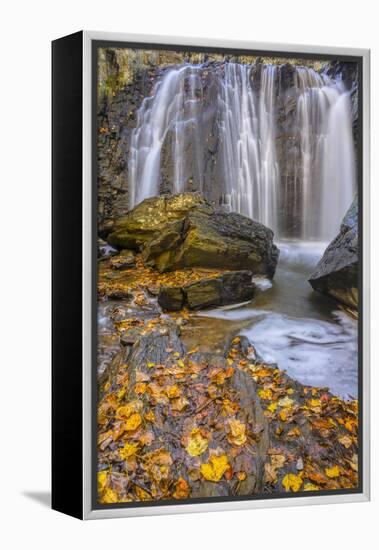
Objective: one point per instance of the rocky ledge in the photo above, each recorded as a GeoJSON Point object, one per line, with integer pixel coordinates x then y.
{"type": "Point", "coordinates": [228, 288]}
{"type": "Point", "coordinates": [182, 231]}
{"type": "Point", "coordinates": [177, 423]}
{"type": "Point", "coordinates": [336, 273]}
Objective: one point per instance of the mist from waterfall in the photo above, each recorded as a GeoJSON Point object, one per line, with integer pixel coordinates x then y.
{"type": "Point", "coordinates": [176, 120]}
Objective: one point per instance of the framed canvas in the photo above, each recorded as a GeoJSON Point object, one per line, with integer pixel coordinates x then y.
{"type": "Point", "coordinates": [210, 275]}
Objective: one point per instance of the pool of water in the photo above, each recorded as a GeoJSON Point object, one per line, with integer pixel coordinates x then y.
{"type": "Point", "coordinates": [289, 324]}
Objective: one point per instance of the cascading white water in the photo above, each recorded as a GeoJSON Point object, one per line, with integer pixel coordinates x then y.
{"type": "Point", "coordinates": [248, 169]}
{"type": "Point", "coordinates": [174, 107]}
{"type": "Point", "coordinates": [247, 135]}
{"type": "Point", "coordinates": [327, 153]}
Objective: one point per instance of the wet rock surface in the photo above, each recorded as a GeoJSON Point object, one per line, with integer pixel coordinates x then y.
{"type": "Point", "coordinates": [187, 231]}
{"type": "Point", "coordinates": [336, 273]}
{"type": "Point", "coordinates": [229, 288]}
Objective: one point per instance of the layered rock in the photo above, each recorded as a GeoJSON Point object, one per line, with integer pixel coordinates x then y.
{"type": "Point", "coordinates": [228, 288]}
{"type": "Point", "coordinates": [187, 231]}
{"type": "Point", "coordinates": [336, 273]}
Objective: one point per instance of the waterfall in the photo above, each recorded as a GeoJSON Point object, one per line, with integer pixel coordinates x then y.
{"type": "Point", "coordinates": [237, 110]}
{"type": "Point", "coordinates": [327, 154]}
{"type": "Point", "coordinates": [175, 108]}
{"type": "Point", "coordinates": [247, 135]}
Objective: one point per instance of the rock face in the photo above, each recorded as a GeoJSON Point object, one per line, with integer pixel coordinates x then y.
{"type": "Point", "coordinates": [187, 231]}
{"type": "Point", "coordinates": [336, 273]}
{"type": "Point", "coordinates": [228, 288]}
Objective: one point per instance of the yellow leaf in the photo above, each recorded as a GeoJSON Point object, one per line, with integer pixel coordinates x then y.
{"type": "Point", "coordinates": [128, 450]}
{"type": "Point", "coordinates": [283, 415]}
{"type": "Point", "coordinates": [109, 497]}
{"type": "Point", "coordinates": [101, 481]}
{"type": "Point", "coordinates": [229, 407]}
{"type": "Point", "coordinates": [121, 393]}
{"type": "Point", "coordinates": [133, 422]}
{"type": "Point", "coordinates": [197, 444]}
{"type": "Point", "coordinates": [241, 476]}
{"type": "Point", "coordinates": [265, 394]}
{"type": "Point", "coordinates": [272, 407]}
{"type": "Point", "coordinates": [125, 411]}
{"type": "Point", "coordinates": [182, 489]}
{"type": "Point", "coordinates": [215, 468]}
{"type": "Point", "coordinates": [181, 364]}
{"type": "Point", "coordinates": [292, 482]}
{"type": "Point", "coordinates": [290, 391]}
{"type": "Point", "coordinates": [140, 388]}
{"type": "Point", "coordinates": [332, 472]}
{"type": "Point", "coordinates": [172, 392]}
{"type": "Point", "coordinates": [150, 416]}
{"type": "Point", "coordinates": [237, 435]}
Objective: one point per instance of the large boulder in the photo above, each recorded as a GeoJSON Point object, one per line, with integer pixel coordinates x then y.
{"type": "Point", "coordinates": [336, 273]}
{"type": "Point", "coordinates": [187, 231]}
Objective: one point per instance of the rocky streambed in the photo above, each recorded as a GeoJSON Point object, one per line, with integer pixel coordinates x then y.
{"type": "Point", "coordinates": [189, 405]}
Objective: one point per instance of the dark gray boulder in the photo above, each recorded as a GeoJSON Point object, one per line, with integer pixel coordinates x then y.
{"type": "Point", "coordinates": [336, 273]}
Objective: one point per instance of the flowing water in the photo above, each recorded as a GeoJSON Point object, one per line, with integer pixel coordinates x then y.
{"type": "Point", "coordinates": [288, 323]}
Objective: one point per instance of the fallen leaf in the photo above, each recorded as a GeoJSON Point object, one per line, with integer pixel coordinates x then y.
{"type": "Point", "coordinates": [101, 481]}
{"type": "Point", "coordinates": [265, 394]}
{"type": "Point", "coordinates": [270, 475]}
{"type": "Point", "coordinates": [133, 422]}
{"type": "Point", "coordinates": [140, 388]}
{"type": "Point", "coordinates": [292, 482]}
{"type": "Point", "coordinates": [182, 489]}
{"type": "Point", "coordinates": [172, 392]}
{"type": "Point", "coordinates": [197, 444]}
{"type": "Point", "coordinates": [237, 434]}
{"type": "Point", "coordinates": [125, 411]}
{"type": "Point", "coordinates": [332, 472]}
{"type": "Point", "coordinates": [128, 450]}
{"type": "Point", "coordinates": [215, 468]}
{"type": "Point", "coordinates": [109, 496]}
{"type": "Point", "coordinates": [346, 441]}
